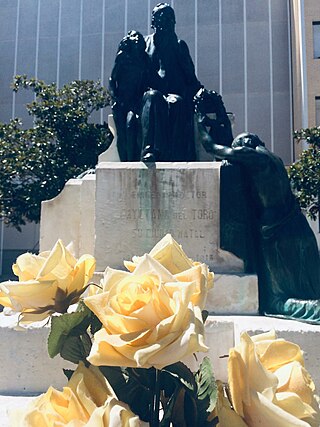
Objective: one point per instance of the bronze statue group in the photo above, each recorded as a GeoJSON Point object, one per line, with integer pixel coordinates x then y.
{"type": "Point", "coordinates": [155, 95]}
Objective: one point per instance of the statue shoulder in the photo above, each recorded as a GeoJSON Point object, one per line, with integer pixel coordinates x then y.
{"type": "Point", "coordinates": [183, 47]}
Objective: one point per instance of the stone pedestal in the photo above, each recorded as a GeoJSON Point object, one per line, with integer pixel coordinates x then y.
{"type": "Point", "coordinates": [70, 216]}
{"type": "Point", "coordinates": [126, 208]}
{"type": "Point", "coordinates": [137, 205]}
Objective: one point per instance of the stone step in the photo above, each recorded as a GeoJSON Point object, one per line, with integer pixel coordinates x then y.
{"type": "Point", "coordinates": [11, 403]}
{"type": "Point", "coordinates": [27, 369]}
{"type": "Point", "coordinates": [231, 294]}
{"type": "Point", "coordinates": [223, 332]}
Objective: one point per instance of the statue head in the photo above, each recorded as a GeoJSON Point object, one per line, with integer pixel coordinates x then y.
{"type": "Point", "coordinates": [249, 140]}
{"type": "Point", "coordinates": [132, 42]}
{"type": "Point", "coordinates": [163, 18]}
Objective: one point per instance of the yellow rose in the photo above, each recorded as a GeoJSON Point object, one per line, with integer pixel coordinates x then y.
{"type": "Point", "coordinates": [148, 318]}
{"type": "Point", "coordinates": [171, 256]}
{"type": "Point", "coordinates": [269, 385]}
{"type": "Point", "coordinates": [88, 400]}
{"type": "Point", "coordinates": [48, 283]}
{"type": "Point", "coordinates": [226, 415]}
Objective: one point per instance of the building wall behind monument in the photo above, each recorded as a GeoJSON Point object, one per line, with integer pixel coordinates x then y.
{"type": "Point", "coordinates": [240, 48]}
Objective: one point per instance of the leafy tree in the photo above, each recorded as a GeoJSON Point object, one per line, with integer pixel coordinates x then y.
{"type": "Point", "coordinates": [35, 163]}
{"type": "Point", "coordinates": [305, 173]}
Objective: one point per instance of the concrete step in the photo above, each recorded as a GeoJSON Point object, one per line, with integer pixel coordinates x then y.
{"type": "Point", "coordinates": [26, 369]}
{"type": "Point", "coordinates": [231, 294]}
{"type": "Point", "coordinates": [219, 330]}
{"type": "Point", "coordinates": [10, 403]}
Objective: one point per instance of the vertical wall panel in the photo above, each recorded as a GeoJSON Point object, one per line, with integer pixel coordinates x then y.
{"type": "Point", "coordinates": [114, 31]}
{"type": "Point", "coordinates": [84, 43]}
{"type": "Point", "coordinates": [138, 16]}
{"type": "Point", "coordinates": [48, 40]}
{"type": "Point", "coordinates": [26, 54]}
{"type": "Point", "coordinates": [258, 69]}
{"type": "Point", "coordinates": [91, 40]}
{"type": "Point", "coordinates": [185, 26]}
{"type": "Point", "coordinates": [281, 81]}
{"type": "Point", "coordinates": [208, 43]}
{"type": "Point", "coordinates": [70, 41]}
{"type": "Point", "coordinates": [7, 67]}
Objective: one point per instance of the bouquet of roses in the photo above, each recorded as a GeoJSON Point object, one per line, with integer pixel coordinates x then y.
{"type": "Point", "coordinates": [134, 339]}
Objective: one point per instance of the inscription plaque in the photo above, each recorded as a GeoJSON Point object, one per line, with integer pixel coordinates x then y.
{"type": "Point", "coordinates": [136, 206]}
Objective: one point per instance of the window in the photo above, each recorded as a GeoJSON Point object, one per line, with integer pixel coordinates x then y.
{"type": "Point", "coordinates": [317, 110]}
{"type": "Point", "coordinates": [316, 39]}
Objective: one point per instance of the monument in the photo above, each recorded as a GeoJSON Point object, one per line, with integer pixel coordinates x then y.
{"type": "Point", "coordinates": [125, 208]}
{"type": "Point", "coordinates": [153, 93]}
{"type": "Point", "coordinates": [253, 226]}
{"type": "Point", "coordinates": [286, 251]}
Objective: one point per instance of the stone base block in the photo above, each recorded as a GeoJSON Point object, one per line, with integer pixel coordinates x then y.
{"type": "Point", "coordinates": [70, 217]}
{"type": "Point", "coordinates": [26, 367]}
{"type": "Point", "coordinates": [305, 335]}
{"type": "Point", "coordinates": [233, 294]}
{"type": "Point", "coordinates": [137, 205]}
{"type": "Point", "coordinates": [9, 404]}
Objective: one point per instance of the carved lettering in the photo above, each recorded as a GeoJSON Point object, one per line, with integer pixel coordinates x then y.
{"type": "Point", "coordinates": [206, 214]}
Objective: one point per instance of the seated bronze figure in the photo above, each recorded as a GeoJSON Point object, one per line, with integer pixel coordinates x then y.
{"type": "Point", "coordinates": [154, 80]}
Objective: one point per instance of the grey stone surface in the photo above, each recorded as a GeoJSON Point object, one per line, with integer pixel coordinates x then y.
{"type": "Point", "coordinates": [25, 365]}
{"type": "Point", "coordinates": [197, 24]}
{"type": "Point", "coordinates": [136, 206]}
{"type": "Point", "coordinates": [233, 294]}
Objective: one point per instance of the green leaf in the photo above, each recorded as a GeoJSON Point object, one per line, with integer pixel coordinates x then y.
{"type": "Point", "coordinates": [68, 373]}
{"type": "Point", "coordinates": [132, 386]}
{"type": "Point", "coordinates": [181, 373]}
{"type": "Point", "coordinates": [207, 392]}
{"type": "Point", "coordinates": [95, 325]}
{"type": "Point", "coordinates": [205, 314]}
{"type": "Point", "coordinates": [74, 350]}
{"type": "Point", "coordinates": [63, 326]}
{"type": "Point", "coordinates": [169, 408]}
{"type": "Point", "coordinates": [62, 143]}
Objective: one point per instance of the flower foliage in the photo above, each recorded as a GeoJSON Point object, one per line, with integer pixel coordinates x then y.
{"type": "Point", "coordinates": [36, 162]}
{"type": "Point", "coordinates": [305, 173]}
{"type": "Point", "coordinates": [87, 400]}
{"type": "Point", "coordinates": [269, 385]}
{"type": "Point", "coordinates": [48, 283]}
{"type": "Point", "coordinates": [133, 338]}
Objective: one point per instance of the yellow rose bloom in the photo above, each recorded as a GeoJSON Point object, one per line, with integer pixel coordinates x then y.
{"type": "Point", "coordinates": [269, 385]}
{"type": "Point", "coordinates": [48, 283]}
{"type": "Point", "coordinates": [87, 400]}
{"type": "Point", "coordinates": [226, 415]}
{"type": "Point", "coordinates": [148, 317]}
{"type": "Point", "coordinates": [171, 256]}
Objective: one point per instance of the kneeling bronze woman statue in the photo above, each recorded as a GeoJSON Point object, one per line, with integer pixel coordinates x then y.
{"type": "Point", "coordinates": [287, 255]}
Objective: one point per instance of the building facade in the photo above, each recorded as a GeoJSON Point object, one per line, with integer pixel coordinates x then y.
{"type": "Point", "coordinates": [247, 50]}
{"type": "Point", "coordinates": [305, 21]}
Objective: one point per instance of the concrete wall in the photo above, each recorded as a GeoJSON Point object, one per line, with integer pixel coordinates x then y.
{"type": "Point", "coordinates": [306, 68]}
{"type": "Point", "coordinates": [312, 13]}
{"type": "Point", "coordinates": [240, 48]}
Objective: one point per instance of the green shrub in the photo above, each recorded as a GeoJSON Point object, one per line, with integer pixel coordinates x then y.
{"type": "Point", "coordinates": [35, 163]}
{"type": "Point", "coordinates": [305, 172]}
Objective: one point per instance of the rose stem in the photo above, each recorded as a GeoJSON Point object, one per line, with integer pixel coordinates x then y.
{"type": "Point", "coordinates": [156, 401]}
